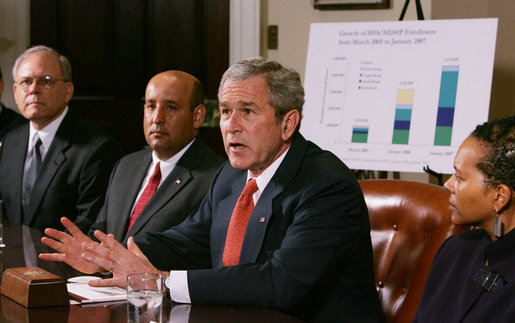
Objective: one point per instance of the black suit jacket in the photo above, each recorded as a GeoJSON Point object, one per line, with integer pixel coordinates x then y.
{"type": "Point", "coordinates": [9, 120]}
{"type": "Point", "coordinates": [456, 289]}
{"type": "Point", "coordinates": [307, 248]}
{"type": "Point", "coordinates": [179, 195]}
{"type": "Point", "coordinates": [73, 178]}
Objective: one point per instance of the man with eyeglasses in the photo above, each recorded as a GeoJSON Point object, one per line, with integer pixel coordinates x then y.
{"type": "Point", "coordinates": [8, 118]}
{"type": "Point", "coordinates": [57, 164]}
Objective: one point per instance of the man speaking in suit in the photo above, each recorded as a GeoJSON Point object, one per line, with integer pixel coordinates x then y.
{"type": "Point", "coordinates": [283, 225]}
{"type": "Point", "coordinates": [57, 164]}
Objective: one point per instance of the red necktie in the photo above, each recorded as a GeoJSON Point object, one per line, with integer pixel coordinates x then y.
{"type": "Point", "coordinates": [239, 219]}
{"type": "Point", "coordinates": [146, 195]}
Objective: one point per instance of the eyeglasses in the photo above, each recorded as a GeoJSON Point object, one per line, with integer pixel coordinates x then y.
{"type": "Point", "coordinates": [46, 82]}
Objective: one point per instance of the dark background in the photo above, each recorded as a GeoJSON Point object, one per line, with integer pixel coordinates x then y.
{"type": "Point", "coordinates": [116, 46]}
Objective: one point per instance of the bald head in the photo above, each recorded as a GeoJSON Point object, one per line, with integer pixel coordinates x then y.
{"type": "Point", "coordinates": [173, 112]}
{"type": "Point", "coordinates": [192, 85]}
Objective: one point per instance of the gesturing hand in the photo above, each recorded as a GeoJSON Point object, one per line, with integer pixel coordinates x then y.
{"type": "Point", "coordinates": [68, 247]}
{"type": "Point", "coordinates": [113, 256]}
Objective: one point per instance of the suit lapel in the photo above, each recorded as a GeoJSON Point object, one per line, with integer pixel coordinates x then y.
{"type": "Point", "coordinates": [53, 160]}
{"type": "Point", "coordinates": [16, 155]}
{"type": "Point", "coordinates": [261, 216]}
{"type": "Point", "coordinates": [175, 182]}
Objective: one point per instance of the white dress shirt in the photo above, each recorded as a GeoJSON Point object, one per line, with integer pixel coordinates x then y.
{"type": "Point", "coordinates": [46, 134]}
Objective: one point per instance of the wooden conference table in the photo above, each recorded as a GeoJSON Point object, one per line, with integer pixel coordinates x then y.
{"type": "Point", "coordinates": [24, 243]}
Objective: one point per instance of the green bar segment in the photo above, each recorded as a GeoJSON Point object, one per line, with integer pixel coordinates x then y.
{"type": "Point", "coordinates": [400, 137]}
{"type": "Point", "coordinates": [443, 136]}
{"type": "Point", "coordinates": [359, 137]}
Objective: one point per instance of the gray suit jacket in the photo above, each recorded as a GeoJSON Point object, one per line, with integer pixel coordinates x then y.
{"type": "Point", "coordinates": [73, 177]}
{"type": "Point", "coordinates": [179, 195]}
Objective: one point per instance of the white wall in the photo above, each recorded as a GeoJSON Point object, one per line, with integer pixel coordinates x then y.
{"type": "Point", "coordinates": [14, 39]}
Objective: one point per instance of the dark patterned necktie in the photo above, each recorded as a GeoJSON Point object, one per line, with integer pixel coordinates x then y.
{"type": "Point", "coordinates": [31, 172]}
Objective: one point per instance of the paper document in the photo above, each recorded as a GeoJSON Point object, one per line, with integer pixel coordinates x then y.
{"type": "Point", "coordinates": [84, 293]}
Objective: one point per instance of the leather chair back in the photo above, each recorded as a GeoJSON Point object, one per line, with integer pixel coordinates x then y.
{"type": "Point", "coordinates": [409, 221]}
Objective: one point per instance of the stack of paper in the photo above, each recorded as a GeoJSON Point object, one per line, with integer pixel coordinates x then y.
{"type": "Point", "coordinates": [84, 293]}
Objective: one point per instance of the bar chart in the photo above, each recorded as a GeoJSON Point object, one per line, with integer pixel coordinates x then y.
{"type": "Point", "coordinates": [360, 134]}
{"type": "Point", "coordinates": [397, 96]}
{"type": "Point", "coordinates": [446, 105]}
{"type": "Point", "coordinates": [403, 109]}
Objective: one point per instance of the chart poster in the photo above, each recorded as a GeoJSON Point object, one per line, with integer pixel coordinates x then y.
{"type": "Point", "coordinates": [398, 96]}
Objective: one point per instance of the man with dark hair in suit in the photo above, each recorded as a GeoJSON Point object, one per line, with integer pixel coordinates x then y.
{"type": "Point", "coordinates": [8, 118]}
{"type": "Point", "coordinates": [284, 224]}
{"type": "Point", "coordinates": [173, 113]}
{"type": "Point", "coordinates": [57, 164]}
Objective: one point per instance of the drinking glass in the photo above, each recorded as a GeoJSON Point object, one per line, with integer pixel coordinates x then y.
{"type": "Point", "coordinates": [144, 298]}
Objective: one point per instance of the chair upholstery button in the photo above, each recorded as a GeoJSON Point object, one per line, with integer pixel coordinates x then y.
{"type": "Point", "coordinates": [396, 227]}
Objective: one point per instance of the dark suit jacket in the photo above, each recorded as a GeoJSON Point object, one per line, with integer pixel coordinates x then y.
{"type": "Point", "coordinates": [306, 251]}
{"type": "Point", "coordinates": [179, 195]}
{"type": "Point", "coordinates": [9, 120]}
{"type": "Point", "coordinates": [454, 288]}
{"type": "Point", "coordinates": [73, 178]}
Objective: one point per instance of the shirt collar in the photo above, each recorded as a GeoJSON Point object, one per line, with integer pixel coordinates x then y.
{"type": "Point", "coordinates": [264, 178]}
{"type": "Point", "coordinates": [46, 134]}
{"type": "Point", "coordinates": [168, 165]}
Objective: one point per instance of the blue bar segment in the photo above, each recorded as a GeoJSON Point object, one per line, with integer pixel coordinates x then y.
{"type": "Point", "coordinates": [445, 117]}
{"type": "Point", "coordinates": [401, 125]}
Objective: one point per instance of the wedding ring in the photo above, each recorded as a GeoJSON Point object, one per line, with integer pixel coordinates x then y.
{"type": "Point", "coordinates": [112, 267]}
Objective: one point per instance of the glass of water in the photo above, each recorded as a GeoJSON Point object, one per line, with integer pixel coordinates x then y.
{"type": "Point", "coordinates": [144, 298]}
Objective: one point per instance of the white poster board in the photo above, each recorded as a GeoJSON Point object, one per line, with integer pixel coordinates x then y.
{"type": "Point", "coordinates": [398, 96]}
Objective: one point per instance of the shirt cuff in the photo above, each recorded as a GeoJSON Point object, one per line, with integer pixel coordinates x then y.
{"type": "Point", "coordinates": [177, 283]}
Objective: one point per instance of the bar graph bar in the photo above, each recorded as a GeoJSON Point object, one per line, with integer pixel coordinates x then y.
{"type": "Point", "coordinates": [360, 134]}
{"type": "Point", "coordinates": [446, 105]}
{"type": "Point", "coordinates": [402, 122]}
